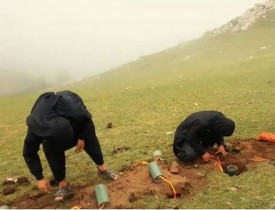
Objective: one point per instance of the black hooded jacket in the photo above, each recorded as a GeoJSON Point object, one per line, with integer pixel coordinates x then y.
{"type": "Point", "coordinates": [53, 113]}
{"type": "Point", "coordinates": [203, 129]}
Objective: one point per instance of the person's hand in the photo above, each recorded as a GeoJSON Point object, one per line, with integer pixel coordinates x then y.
{"type": "Point", "coordinates": [80, 145]}
{"type": "Point", "coordinates": [206, 157]}
{"type": "Point", "coordinates": [44, 186]}
{"type": "Point", "coordinates": [222, 151]}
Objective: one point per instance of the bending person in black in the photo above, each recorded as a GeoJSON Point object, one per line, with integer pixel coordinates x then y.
{"type": "Point", "coordinates": [60, 121]}
{"type": "Point", "coordinates": [200, 131]}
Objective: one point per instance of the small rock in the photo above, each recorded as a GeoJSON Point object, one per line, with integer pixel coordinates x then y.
{"type": "Point", "coordinates": [5, 207]}
{"type": "Point", "coordinates": [22, 180]}
{"type": "Point", "coordinates": [201, 174]}
{"type": "Point", "coordinates": [9, 190]}
{"type": "Point", "coordinates": [8, 181]}
{"type": "Point", "coordinates": [121, 173]}
{"type": "Point", "coordinates": [169, 132]}
{"type": "Point", "coordinates": [174, 168]}
{"type": "Point", "coordinates": [233, 188]}
{"type": "Point", "coordinates": [196, 166]}
{"type": "Point", "coordinates": [110, 125]}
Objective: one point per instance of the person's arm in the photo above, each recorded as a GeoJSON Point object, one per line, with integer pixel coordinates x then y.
{"type": "Point", "coordinates": [220, 142]}
{"type": "Point", "coordinates": [193, 138]}
{"type": "Point", "coordinates": [30, 150]}
{"type": "Point", "coordinates": [83, 131]}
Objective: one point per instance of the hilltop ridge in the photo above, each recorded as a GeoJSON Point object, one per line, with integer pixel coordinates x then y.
{"type": "Point", "coordinates": [243, 22]}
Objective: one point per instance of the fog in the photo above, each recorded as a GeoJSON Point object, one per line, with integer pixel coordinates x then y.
{"type": "Point", "coordinates": [80, 38]}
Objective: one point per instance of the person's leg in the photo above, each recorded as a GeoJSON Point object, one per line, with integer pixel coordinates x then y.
{"type": "Point", "coordinates": [92, 146]}
{"type": "Point", "coordinates": [186, 152]}
{"type": "Point", "coordinates": [56, 145]}
{"type": "Point", "coordinates": [54, 149]}
{"type": "Point", "coordinates": [56, 160]}
{"type": "Point", "coordinates": [93, 149]}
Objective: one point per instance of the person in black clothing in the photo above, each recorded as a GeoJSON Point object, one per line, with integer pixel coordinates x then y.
{"type": "Point", "coordinates": [200, 131]}
{"type": "Point", "coordinates": [60, 121]}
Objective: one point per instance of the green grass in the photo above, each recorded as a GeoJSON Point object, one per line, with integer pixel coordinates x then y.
{"type": "Point", "coordinates": [148, 98]}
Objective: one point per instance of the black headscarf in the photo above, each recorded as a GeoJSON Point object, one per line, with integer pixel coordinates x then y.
{"type": "Point", "coordinates": [224, 126]}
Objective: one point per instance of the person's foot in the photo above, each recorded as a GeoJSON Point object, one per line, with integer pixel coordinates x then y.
{"type": "Point", "coordinates": [109, 174]}
{"type": "Point", "coordinates": [63, 193]}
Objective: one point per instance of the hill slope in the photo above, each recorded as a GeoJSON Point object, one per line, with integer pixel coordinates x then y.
{"type": "Point", "coordinates": [146, 99]}
{"type": "Point", "coordinates": [232, 72]}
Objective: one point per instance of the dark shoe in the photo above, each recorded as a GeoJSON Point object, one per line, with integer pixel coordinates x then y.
{"type": "Point", "coordinates": [109, 174]}
{"type": "Point", "coordinates": [63, 193]}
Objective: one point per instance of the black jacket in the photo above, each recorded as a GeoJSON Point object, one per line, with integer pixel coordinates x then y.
{"type": "Point", "coordinates": [51, 113]}
{"type": "Point", "coordinates": [51, 108]}
{"type": "Point", "coordinates": [203, 129]}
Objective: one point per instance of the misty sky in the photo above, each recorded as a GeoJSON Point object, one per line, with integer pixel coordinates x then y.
{"type": "Point", "coordinates": [84, 37]}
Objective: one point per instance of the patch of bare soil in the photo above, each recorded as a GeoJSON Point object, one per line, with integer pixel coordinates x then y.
{"type": "Point", "coordinates": [135, 183]}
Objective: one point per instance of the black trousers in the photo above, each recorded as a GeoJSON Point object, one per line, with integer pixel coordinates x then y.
{"type": "Point", "coordinates": [55, 146]}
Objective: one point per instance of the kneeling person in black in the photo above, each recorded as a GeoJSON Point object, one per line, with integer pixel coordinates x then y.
{"type": "Point", "coordinates": [200, 131]}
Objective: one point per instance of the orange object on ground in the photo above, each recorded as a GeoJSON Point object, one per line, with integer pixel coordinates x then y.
{"type": "Point", "coordinates": [140, 163]}
{"type": "Point", "coordinates": [219, 164]}
{"type": "Point", "coordinates": [267, 137]}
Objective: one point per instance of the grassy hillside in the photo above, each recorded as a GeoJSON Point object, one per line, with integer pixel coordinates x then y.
{"type": "Point", "coordinates": [145, 99]}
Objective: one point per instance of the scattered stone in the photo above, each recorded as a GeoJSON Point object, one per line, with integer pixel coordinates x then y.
{"type": "Point", "coordinates": [233, 189]}
{"type": "Point", "coordinates": [243, 22]}
{"type": "Point", "coordinates": [169, 132]}
{"type": "Point", "coordinates": [76, 207]}
{"type": "Point", "coordinates": [7, 181]}
{"type": "Point", "coordinates": [110, 125]}
{"type": "Point", "coordinates": [196, 166]}
{"type": "Point", "coordinates": [121, 173]}
{"type": "Point", "coordinates": [5, 207]}
{"type": "Point", "coordinates": [201, 174]}
{"type": "Point", "coordinates": [22, 181]}
{"type": "Point", "coordinates": [174, 168]}
{"type": "Point", "coordinates": [9, 190]}
{"type": "Point", "coordinates": [120, 149]}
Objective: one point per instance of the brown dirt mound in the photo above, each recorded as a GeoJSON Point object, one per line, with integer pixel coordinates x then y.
{"type": "Point", "coordinates": [135, 183]}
